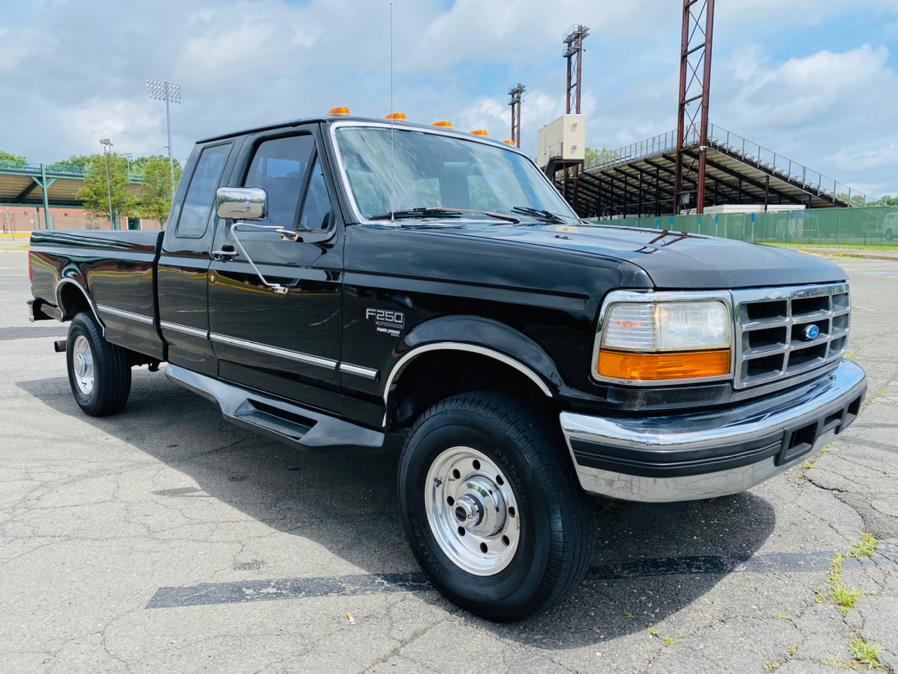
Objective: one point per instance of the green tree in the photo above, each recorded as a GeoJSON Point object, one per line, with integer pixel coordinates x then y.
{"type": "Point", "coordinates": [595, 156]}
{"type": "Point", "coordinates": [155, 193]}
{"type": "Point", "coordinates": [854, 199]}
{"type": "Point", "coordinates": [139, 164]}
{"type": "Point", "coordinates": [77, 162]}
{"type": "Point", "coordinates": [13, 160]}
{"type": "Point", "coordinates": [95, 194]}
{"type": "Point", "coordinates": [887, 200]}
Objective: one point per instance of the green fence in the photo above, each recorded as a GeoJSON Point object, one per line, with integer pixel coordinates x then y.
{"type": "Point", "coordinates": [873, 225]}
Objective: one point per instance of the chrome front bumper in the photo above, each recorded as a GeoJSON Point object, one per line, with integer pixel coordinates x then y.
{"type": "Point", "coordinates": [684, 457]}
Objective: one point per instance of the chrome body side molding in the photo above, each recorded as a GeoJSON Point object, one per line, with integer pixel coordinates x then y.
{"type": "Point", "coordinates": [298, 356]}
{"type": "Point", "coordinates": [129, 315]}
{"type": "Point", "coordinates": [359, 371]}
{"type": "Point", "coordinates": [184, 329]}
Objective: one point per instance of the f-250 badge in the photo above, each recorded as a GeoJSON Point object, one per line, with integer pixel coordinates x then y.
{"type": "Point", "coordinates": [387, 322]}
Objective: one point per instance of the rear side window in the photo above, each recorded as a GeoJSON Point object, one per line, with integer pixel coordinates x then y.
{"type": "Point", "coordinates": [201, 193]}
{"type": "Point", "coordinates": [279, 167]}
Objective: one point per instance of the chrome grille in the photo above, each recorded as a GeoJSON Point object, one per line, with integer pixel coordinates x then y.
{"type": "Point", "coordinates": [771, 338]}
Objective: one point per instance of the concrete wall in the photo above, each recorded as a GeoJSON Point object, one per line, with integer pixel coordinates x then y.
{"type": "Point", "coordinates": [27, 218]}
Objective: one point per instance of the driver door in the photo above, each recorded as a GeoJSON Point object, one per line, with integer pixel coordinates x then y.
{"type": "Point", "coordinates": [287, 344]}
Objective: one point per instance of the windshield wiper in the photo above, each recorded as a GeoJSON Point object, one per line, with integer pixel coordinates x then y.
{"type": "Point", "coordinates": [440, 212]}
{"type": "Point", "coordinates": [548, 216]}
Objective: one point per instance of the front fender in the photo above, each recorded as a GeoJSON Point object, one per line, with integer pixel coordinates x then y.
{"type": "Point", "coordinates": [481, 335]}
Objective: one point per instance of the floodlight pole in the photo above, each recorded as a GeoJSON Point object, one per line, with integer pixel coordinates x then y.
{"type": "Point", "coordinates": [170, 93]}
{"type": "Point", "coordinates": [694, 96]}
{"type": "Point", "coordinates": [573, 54]}
{"type": "Point", "coordinates": [107, 146]}
{"type": "Point", "coordinates": [171, 165]}
{"type": "Point", "coordinates": [515, 93]}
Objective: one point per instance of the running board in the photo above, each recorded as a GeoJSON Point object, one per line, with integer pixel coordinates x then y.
{"type": "Point", "coordinates": [283, 421]}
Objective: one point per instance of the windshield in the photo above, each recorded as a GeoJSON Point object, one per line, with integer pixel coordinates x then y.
{"type": "Point", "coordinates": [417, 170]}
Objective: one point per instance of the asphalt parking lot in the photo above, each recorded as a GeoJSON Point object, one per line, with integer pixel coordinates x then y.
{"type": "Point", "coordinates": [164, 539]}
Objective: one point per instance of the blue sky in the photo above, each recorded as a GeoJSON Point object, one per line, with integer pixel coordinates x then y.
{"type": "Point", "coordinates": [815, 80]}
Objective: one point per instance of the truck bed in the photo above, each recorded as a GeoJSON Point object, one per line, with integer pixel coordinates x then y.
{"type": "Point", "coordinates": [110, 273]}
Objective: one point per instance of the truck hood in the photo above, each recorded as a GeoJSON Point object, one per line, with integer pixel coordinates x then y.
{"type": "Point", "coordinates": [674, 260]}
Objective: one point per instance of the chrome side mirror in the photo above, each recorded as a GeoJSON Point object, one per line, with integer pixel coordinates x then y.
{"type": "Point", "coordinates": [241, 203]}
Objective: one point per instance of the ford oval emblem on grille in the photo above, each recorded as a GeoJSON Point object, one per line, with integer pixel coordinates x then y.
{"type": "Point", "coordinates": [811, 332]}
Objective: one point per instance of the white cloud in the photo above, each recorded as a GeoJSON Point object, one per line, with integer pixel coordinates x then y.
{"type": "Point", "coordinates": [17, 46]}
{"type": "Point", "coordinates": [245, 63]}
{"type": "Point", "coordinates": [134, 126]}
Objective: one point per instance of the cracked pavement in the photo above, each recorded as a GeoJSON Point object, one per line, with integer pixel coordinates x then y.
{"type": "Point", "coordinates": [164, 539]}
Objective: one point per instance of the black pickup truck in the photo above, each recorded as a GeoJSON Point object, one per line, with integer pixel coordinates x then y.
{"type": "Point", "coordinates": [341, 281]}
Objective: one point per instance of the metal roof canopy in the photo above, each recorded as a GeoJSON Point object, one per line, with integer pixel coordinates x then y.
{"type": "Point", "coordinates": [40, 186]}
{"type": "Point", "coordinates": [641, 180]}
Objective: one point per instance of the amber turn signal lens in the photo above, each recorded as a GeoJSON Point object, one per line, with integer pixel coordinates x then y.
{"type": "Point", "coordinates": [340, 110]}
{"type": "Point", "coordinates": [664, 366]}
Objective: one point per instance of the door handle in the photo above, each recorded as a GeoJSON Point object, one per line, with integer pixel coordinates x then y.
{"type": "Point", "coordinates": [226, 252]}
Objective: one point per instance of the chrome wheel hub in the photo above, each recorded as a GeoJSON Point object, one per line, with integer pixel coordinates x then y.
{"type": "Point", "coordinates": [83, 365]}
{"type": "Point", "coordinates": [472, 511]}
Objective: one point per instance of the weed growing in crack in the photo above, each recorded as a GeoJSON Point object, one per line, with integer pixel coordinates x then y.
{"type": "Point", "coordinates": [865, 652]}
{"type": "Point", "coordinates": [866, 547]}
{"type": "Point", "coordinates": [844, 598]}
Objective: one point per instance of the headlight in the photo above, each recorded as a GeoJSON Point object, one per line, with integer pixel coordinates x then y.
{"type": "Point", "coordinates": [664, 338]}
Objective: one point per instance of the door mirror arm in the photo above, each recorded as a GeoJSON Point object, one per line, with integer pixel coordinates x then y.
{"type": "Point", "coordinates": [285, 234]}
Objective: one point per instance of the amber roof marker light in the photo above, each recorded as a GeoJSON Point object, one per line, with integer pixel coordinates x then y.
{"type": "Point", "coordinates": [443, 124]}
{"type": "Point", "coordinates": [483, 133]}
{"type": "Point", "coordinates": [396, 117]}
{"type": "Point", "coordinates": [339, 111]}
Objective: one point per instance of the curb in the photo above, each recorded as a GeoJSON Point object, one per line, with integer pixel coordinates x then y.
{"type": "Point", "coordinates": [857, 254]}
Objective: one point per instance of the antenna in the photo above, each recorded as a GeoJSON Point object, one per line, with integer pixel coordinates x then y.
{"type": "Point", "coordinates": [392, 110]}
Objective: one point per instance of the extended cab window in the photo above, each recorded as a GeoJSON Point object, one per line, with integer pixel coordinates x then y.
{"type": "Point", "coordinates": [280, 167]}
{"type": "Point", "coordinates": [201, 193]}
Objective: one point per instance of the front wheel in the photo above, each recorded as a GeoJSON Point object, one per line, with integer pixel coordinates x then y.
{"type": "Point", "coordinates": [99, 372]}
{"type": "Point", "coordinates": [492, 508]}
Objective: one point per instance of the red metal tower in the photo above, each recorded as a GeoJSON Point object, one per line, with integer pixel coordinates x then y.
{"type": "Point", "coordinates": [695, 93]}
{"type": "Point", "coordinates": [573, 54]}
{"type": "Point", "coordinates": [515, 93]}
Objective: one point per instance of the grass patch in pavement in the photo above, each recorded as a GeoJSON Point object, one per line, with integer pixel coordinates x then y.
{"type": "Point", "coordinates": [866, 547]}
{"type": "Point", "coordinates": [843, 597]}
{"type": "Point", "coordinates": [865, 653]}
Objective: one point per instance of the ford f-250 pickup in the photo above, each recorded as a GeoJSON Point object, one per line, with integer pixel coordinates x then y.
{"type": "Point", "coordinates": [337, 282]}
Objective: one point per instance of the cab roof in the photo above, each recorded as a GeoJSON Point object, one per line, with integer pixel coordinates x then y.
{"type": "Point", "coordinates": [330, 119]}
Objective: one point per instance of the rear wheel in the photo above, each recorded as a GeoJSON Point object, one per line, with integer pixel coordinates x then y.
{"type": "Point", "coordinates": [492, 509]}
{"type": "Point", "coordinates": [99, 372]}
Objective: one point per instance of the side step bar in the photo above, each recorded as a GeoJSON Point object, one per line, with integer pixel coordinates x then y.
{"type": "Point", "coordinates": [283, 421]}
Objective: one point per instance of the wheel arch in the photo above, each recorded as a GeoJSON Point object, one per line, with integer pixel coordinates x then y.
{"type": "Point", "coordinates": [466, 340]}
{"type": "Point", "coordinates": [72, 297]}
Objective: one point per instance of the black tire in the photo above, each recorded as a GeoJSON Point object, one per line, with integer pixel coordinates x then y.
{"type": "Point", "coordinates": [557, 519]}
{"type": "Point", "coordinates": [111, 369]}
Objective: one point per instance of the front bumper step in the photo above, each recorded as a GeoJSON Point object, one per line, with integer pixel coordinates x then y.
{"type": "Point", "coordinates": [685, 457]}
